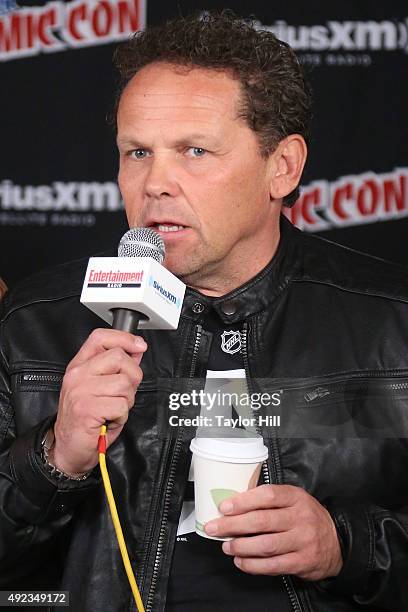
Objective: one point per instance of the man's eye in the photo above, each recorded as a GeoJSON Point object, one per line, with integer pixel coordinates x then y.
{"type": "Point", "coordinates": [139, 153]}
{"type": "Point", "coordinates": [196, 151]}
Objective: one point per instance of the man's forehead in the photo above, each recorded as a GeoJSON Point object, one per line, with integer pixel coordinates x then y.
{"type": "Point", "coordinates": [167, 99]}
{"type": "Point", "coordinates": [162, 86]}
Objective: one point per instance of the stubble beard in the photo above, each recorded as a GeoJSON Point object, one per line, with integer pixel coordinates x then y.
{"type": "Point", "coordinates": [193, 268]}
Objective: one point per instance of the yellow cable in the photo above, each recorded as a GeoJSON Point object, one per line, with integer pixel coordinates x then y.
{"type": "Point", "coordinates": [118, 528]}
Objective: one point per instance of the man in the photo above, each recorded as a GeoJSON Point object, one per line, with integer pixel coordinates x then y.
{"type": "Point", "coordinates": [212, 122]}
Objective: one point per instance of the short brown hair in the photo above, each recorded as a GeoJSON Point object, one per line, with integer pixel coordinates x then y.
{"type": "Point", "coordinates": [276, 94]}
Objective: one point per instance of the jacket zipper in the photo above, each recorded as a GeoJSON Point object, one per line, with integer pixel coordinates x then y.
{"type": "Point", "coordinates": [199, 330]}
{"type": "Point", "coordinates": [351, 376]}
{"type": "Point", "coordinates": [398, 386]}
{"type": "Point", "coordinates": [169, 486]}
{"type": "Point", "coordinates": [244, 352]}
{"type": "Point", "coordinates": [42, 378]}
{"type": "Point", "coordinates": [293, 598]}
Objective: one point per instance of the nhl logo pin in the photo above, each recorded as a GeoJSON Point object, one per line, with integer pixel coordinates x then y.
{"type": "Point", "coordinates": [231, 342]}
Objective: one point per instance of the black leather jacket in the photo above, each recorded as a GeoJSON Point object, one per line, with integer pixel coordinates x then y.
{"type": "Point", "coordinates": [325, 324]}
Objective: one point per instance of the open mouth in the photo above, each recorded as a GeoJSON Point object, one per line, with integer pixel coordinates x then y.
{"type": "Point", "coordinates": [167, 227]}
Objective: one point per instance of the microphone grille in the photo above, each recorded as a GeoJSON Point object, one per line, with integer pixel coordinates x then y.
{"type": "Point", "coordinates": [142, 242]}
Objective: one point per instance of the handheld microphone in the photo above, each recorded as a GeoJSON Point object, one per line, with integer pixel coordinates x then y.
{"type": "Point", "coordinates": [136, 242]}
{"type": "Point", "coordinates": [134, 290]}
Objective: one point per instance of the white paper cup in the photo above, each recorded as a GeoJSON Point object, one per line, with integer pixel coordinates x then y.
{"type": "Point", "coordinates": [223, 467]}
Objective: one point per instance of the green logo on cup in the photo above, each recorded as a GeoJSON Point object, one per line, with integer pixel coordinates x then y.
{"type": "Point", "coordinates": [219, 495]}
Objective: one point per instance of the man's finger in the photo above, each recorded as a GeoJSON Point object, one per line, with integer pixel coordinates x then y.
{"type": "Point", "coordinates": [257, 521]}
{"type": "Point", "coordinates": [112, 412]}
{"type": "Point", "coordinates": [104, 339]}
{"type": "Point", "coordinates": [273, 566]}
{"type": "Point", "coordinates": [115, 385]}
{"type": "Point", "coordinates": [265, 545]}
{"type": "Point", "coordinates": [113, 361]}
{"type": "Point", "coordinates": [264, 496]}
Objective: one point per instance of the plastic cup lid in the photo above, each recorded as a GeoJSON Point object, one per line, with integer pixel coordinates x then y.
{"type": "Point", "coordinates": [248, 449]}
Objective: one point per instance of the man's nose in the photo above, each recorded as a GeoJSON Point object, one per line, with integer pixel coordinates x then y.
{"type": "Point", "coordinates": [161, 177]}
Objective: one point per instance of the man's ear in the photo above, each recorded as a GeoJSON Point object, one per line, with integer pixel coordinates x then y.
{"type": "Point", "coordinates": [287, 162]}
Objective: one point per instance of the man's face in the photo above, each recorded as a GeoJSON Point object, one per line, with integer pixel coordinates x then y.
{"type": "Point", "coordinates": [192, 170]}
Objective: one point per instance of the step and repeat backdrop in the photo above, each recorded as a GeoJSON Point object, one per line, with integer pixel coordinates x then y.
{"type": "Point", "coordinates": [58, 194]}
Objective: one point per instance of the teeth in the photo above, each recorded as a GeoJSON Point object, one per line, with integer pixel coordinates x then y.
{"type": "Point", "coordinates": [170, 228]}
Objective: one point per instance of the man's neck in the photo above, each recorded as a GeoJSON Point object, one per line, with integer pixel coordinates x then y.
{"type": "Point", "coordinates": [220, 284]}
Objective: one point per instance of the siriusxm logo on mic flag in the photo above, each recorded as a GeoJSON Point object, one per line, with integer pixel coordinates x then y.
{"type": "Point", "coordinates": [164, 292]}
{"type": "Point", "coordinates": [140, 284]}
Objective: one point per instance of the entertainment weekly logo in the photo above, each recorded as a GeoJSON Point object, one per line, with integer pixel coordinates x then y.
{"type": "Point", "coordinates": [114, 279]}
{"type": "Point", "coordinates": [351, 200]}
{"type": "Point", "coordinates": [58, 26]}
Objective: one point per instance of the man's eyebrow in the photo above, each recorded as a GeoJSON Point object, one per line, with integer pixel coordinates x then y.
{"type": "Point", "coordinates": [193, 137]}
{"type": "Point", "coordinates": [188, 139]}
{"type": "Point", "coordinates": [129, 142]}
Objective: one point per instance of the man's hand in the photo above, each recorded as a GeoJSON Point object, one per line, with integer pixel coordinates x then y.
{"type": "Point", "coordinates": [289, 531]}
{"type": "Point", "coordinates": [99, 386]}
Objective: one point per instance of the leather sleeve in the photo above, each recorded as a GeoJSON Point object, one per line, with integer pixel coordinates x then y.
{"type": "Point", "coordinates": [34, 508]}
{"type": "Point", "coordinates": [374, 544]}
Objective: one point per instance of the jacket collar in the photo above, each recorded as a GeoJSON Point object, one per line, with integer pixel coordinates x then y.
{"type": "Point", "coordinates": [257, 293]}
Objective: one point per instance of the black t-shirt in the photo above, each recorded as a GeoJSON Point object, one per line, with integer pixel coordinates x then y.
{"type": "Point", "coordinates": [203, 578]}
